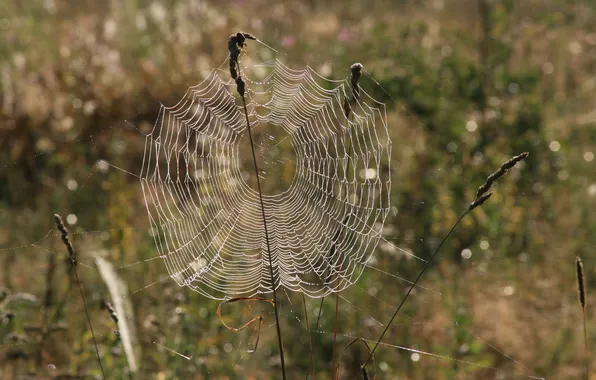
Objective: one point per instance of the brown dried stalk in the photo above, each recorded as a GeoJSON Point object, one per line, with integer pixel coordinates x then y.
{"type": "Point", "coordinates": [73, 260]}
{"type": "Point", "coordinates": [259, 318]}
{"type": "Point", "coordinates": [481, 197]}
{"type": "Point", "coordinates": [236, 43]}
{"type": "Point", "coordinates": [356, 70]}
{"type": "Point", "coordinates": [364, 370]}
{"type": "Point", "coordinates": [582, 301]}
{"type": "Point", "coordinates": [311, 366]}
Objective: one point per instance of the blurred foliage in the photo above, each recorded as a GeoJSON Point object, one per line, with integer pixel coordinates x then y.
{"type": "Point", "coordinates": [467, 83]}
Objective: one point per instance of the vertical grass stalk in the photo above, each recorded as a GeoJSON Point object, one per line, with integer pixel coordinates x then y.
{"type": "Point", "coordinates": [273, 282]}
{"type": "Point", "coordinates": [335, 368]}
{"type": "Point", "coordinates": [236, 43]}
{"type": "Point", "coordinates": [482, 195]}
{"type": "Point", "coordinates": [73, 260]}
{"type": "Point", "coordinates": [356, 71]}
{"type": "Point", "coordinates": [310, 367]}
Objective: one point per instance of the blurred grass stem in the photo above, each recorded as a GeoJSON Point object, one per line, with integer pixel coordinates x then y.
{"type": "Point", "coordinates": [482, 195]}
{"type": "Point", "coordinates": [71, 253]}
{"type": "Point", "coordinates": [273, 282]}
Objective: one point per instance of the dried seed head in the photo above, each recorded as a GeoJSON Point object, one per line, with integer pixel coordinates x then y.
{"type": "Point", "coordinates": [111, 310]}
{"type": "Point", "coordinates": [479, 201]}
{"type": "Point", "coordinates": [580, 282]}
{"type": "Point", "coordinates": [499, 173]}
{"type": "Point", "coordinates": [249, 36]}
{"type": "Point", "coordinates": [65, 240]}
{"type": "Point", "coordinates": [356, 70]}
{"type": "Point", "coordinates": [237, 42]}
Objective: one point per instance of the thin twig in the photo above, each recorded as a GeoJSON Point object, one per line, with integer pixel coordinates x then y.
{"type": "Point", "coordinates": [333, 365]}
{"type": "Point", "coordinates": [273, 285]}
{"type": "Point", "coordinates": [356, 70]}
{"type": "Point", "coordinates": [255, 319]}
{"type": "Point", "coordinates": [311, 366]}
{"type": "Point", "coordinates": [114, 317]}
{"type": "Point", "coordinates": [412, 287]}
{"type": "Point", "coordinates": [73, 260]}
{"type": "Point", "coordinates": [311, 363]}
{"type": "Point", "coordinates": [235, 44]}
{"type": "Point", "coordinates": [587, 359]}
{"type": "Point", "coordinates": [481, 197]}
{"type": "Point", "coordinates": [364, 370]}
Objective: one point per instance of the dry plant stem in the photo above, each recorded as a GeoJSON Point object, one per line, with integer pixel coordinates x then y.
{"type": "Point", "coordinates": [587, 356]}
{"type": "Point", "coordinates": [311, 363]}
{"type": "Point", "coordinates": [320, 312]}
{"type": "Point", "coordinates": [582, 302]}
{"type": "Point", "coordinates": [482, 195]}
{"type": "Point", "coordinates": [333, 364]}
{"type": "Point", "coordinates": [72, 256]}
{"type": "Point", "coordinates": [114, 318]}
{"type": "Point", "coordinates": [254, 158]}
{"type": "Point", "coordinates": [356, 70]}
{"type": "Point", "coordinates": [255, 319]}
{"type": "Point", "coordinates": [237, 42]}
{"type": "Point", "coordinates": [412, 288]}
{"type": "Point", "coordinates": [364, 370]}
{"type": "Point", "coordinates": [416, 281]}
{"type": "Point", "coordinates": [309, 339]}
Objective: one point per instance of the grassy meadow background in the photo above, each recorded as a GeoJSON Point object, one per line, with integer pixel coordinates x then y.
{"type": "Point", "coordinates": [467, 83]}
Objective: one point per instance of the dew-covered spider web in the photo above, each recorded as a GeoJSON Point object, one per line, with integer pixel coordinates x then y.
{"type": "Point", "coordinates": [322, 229]}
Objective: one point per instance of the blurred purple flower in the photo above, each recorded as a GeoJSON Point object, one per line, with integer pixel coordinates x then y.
{"type": "Point", "coordinates": [344, 35]}
{"type": "Point", "coordinates": [288, 41]}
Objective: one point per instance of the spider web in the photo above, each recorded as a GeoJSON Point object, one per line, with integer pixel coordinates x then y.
{"type": "Point", "coordinates": [323, 229]}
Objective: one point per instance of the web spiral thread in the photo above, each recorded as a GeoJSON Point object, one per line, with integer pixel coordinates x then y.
{"type": "Point", "coordinates": [206, 220]}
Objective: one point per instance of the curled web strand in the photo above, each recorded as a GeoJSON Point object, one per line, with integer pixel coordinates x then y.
{"type": "Point", "coordinates": [206, 219]}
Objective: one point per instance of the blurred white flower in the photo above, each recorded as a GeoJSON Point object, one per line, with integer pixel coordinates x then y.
{"type": "Point", "coordinates": [109, 29]}
{"type": "Point", "coordinates": [158, 12]}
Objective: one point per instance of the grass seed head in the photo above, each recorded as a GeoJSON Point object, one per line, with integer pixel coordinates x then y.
{"type": "Point", "coordinates": [580, 282]}
{"type": "Point", "coordinates": [499, 173]}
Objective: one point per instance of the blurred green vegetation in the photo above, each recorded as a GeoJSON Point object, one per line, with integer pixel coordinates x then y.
{"type": "Point", "coordinates": [467, 83]}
